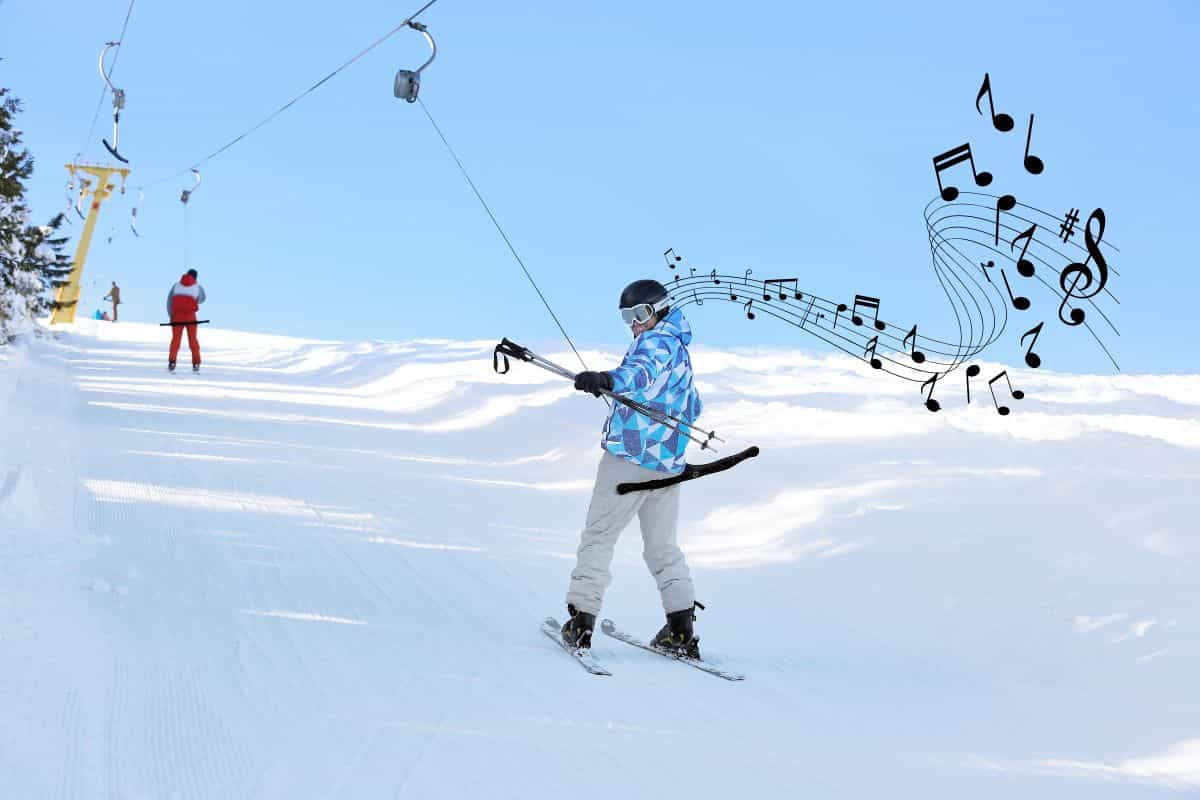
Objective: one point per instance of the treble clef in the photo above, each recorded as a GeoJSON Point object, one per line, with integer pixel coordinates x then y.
{"type": "Point", "coordinates": [1076, 273]}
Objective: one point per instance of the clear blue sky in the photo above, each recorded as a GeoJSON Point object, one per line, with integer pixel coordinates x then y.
{"type": "Point", "coordinates": [791, 138]}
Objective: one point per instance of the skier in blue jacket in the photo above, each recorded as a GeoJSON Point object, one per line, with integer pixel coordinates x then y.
{"type": "Point", "coordinates": [656, 371]}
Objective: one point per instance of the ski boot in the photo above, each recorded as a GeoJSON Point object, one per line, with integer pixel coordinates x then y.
{"type": "Point", "coordinates": [195, 367]}
{"type": "Point", "coordinates": [170, 366]}
{"type": "Point", "coordinates": [677, 637]}
{"type": "Point", "coordinates": [577, 631]}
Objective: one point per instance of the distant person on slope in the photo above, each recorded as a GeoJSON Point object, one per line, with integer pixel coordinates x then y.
{"type": "Point", "coordinates": [114, 294]}
{"type": "Point", "coordinates": [183, 301]}
{"type": "Point", "coordinates": [657, 371]}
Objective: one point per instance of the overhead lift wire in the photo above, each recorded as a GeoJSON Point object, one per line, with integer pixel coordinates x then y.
{"type": "Point", "coordinates": [297, 98]}
{"type": "Point", "coordinates": [499, 229]}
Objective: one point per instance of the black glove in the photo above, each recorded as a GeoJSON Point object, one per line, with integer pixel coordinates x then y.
{"type": "Point", "coordinates": [593, 382]}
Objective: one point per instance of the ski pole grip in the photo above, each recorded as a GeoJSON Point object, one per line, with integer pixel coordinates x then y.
{"type": "Point", "coordinates": [509, 348]}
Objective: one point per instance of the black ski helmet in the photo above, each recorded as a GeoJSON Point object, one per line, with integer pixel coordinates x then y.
{"type": "Point", "coordinates": [647, 291]}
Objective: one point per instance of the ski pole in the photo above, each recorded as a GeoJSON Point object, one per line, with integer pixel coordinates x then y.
{"type": "Point", "coordinates": [508, 348]}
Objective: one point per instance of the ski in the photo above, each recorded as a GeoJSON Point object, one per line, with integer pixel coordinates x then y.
{"type": "Point", "coordinates": [610, 629]}
{"type": "Point", "coordinates": [551, 628]}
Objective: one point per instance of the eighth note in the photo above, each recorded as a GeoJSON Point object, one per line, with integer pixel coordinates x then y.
{"type": "Point", "coordinates": [1032, 358]}
{"type": "Point", "coordinates": [954, 156]}
{"type": "Point", "coordinates": [1016, 393]}
{"type": "Point", "coordinates": [1003, 122]}
{"type": "Point", "coordinates": [870, 350]}
{"type": "Point", "coordinates": [930, 403]}
{"type": "Point", "coordinates": [795, 282]}
{"type": "Point", "coordinates": [749, 305]}
{"type": "Point", "coordinates": [1024, 265]}
{"type": "Point", "coordinates": [917, 355]}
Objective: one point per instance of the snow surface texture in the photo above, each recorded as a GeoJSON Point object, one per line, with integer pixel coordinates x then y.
{"type": "Point", "coordinates": [317, 569]}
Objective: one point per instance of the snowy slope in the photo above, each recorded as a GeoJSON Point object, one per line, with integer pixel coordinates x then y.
{"type": "Point", "coordinates": [316, 569]}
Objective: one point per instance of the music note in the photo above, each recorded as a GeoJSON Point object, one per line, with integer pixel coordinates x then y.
{"type": "Point", "coordinates": [917, 355]}
{"type": "Point", "coordinates": [1003, 122]}
{"type": "Point", "coordinates": [1033, 164]}
{"type": "Point", "coordinates": [840, 308]}
{"type": "Point", "coordinates": [1032, 358]}
{"type": "Point", "coordinates": [699, 300]}
{"type": "Point", "coordinates": [669, 251]}
{"type": "Point", "coordinates": [714, 277]}
{"type": "Point", "coordinates": [1006, 202]}
{"type": "Point", "coordinates": [749, 305]}
{"type": "Point", "coordinates": [1082, 272]}
{"type": "Point", "coordinates": [866, 302]}
{"type": "Point", "coordinates": [795, 282]}
{"type": "Point", "coordinates": [870, 350]}
{"type": "Point", "coordinates": [1019, 303]}
{"type": "Point", "coordinates": [972, 371]}
{"type": "Point", "coordinates": [1024, 265]}
{"type": "Point", "coordinates": [986, 267]}
{"type": "Point", "coordinates": [949, 159]}
{"type": "Point", "coordinates": [1016, 393]}
{"type": "Point", "coordinates": [930, 403]}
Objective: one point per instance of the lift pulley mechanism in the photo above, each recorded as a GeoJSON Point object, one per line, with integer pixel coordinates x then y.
{"type": "Point", "coordinates": [187, 193]}
{"type": "Point", "coordinates": [507, 349]}
{"type": "Point", "coordinates": [408, 81]}
{"type": "Point", "coordinates": [118, 100]}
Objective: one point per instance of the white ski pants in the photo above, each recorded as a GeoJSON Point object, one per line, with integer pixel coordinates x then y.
{"type": "Point", "coordinates": [607, 516]}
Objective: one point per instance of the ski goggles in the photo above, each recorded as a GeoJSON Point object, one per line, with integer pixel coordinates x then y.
{"type": "Point", "coordinates": [643, 312]}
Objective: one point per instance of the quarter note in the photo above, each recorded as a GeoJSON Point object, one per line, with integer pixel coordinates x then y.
{"type": "Point", "coordinates": [749, 305]}
{"type": "Point", "coordinates": [1032, 358]}
{"type": "Point", "coordinates": [1033, 164]}
{"type": "Point", "coordinates": [1016, 393]}
{"type": "Point", "coordinates": [972, 371]}
{"type": "Point", "coordinates": [1003, 122]}
{"type": "Point", "coordinates": [869, 350]}
{"type": "Point", "coordinates": [668, 253]}
{"type": "Point", "coordinates": [840, 308]}
{"type": "Point", "coordinates": [866, 302]}
{"type": "Point", "coordinates": [917, 355]}
{"type": "Point", "coordinates": [1024, 265]}
{"type": "Point", "coordinates": [795, 282]}
{"type": "Point", "coordinates": [986, 267]}
{"type": "Point", "coordinates": [954, 156]}
{"type": "Point", "coordinates": [1006, 202]}
{"type": "Point", "coordinates": [1019, 303]}
{"type": "Point", "coordinates": [930, 403]}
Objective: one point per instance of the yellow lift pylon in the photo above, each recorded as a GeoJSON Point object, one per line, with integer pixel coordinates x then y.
{"type": "Point", "coordinates": [68, 294]}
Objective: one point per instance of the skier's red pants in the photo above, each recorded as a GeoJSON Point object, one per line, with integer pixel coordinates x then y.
{"type": "Point", "coordinates": [193, 342]}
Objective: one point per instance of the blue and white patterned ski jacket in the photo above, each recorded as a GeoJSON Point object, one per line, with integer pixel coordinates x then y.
{"type": "Point", "coordinates": [657, 371]}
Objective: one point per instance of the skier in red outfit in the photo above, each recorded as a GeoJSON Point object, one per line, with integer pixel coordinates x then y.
{"type": "Point", "coordinates": [183, 301]}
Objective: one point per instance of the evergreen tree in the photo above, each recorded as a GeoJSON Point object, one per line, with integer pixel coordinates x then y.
{"type": "Point", "coordinates": [32, 261]}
